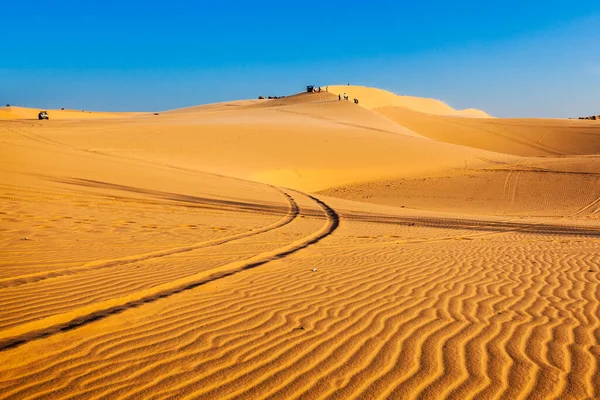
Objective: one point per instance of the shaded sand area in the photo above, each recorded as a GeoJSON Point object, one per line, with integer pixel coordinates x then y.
{"type": "Point", "coordinates": [301, 247]}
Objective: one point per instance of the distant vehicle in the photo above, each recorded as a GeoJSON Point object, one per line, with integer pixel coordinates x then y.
{"type": "Point", "coordinates": [261, 97]}
{"type": "Point", "coordinates": [310, 88]}
{"type": "Point", "coordinates": [43, 115]}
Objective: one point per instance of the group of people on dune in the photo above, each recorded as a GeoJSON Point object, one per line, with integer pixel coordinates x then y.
{"type": "Point", "coordinates": [317, 89]}
{"type": "Point", "coordinates": [347, 98]}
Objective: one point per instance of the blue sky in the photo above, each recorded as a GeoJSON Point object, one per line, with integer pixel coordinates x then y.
{"type": "Point", "coordinates": [510, 58]}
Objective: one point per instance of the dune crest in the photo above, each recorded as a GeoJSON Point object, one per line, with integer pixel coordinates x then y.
{"type": "Point", "coordinates": [375, 98]}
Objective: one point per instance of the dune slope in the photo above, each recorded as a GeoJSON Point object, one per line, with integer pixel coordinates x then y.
{"type": "Point", "coordinates": [555, 174]}
{"type": "Point", "coordinates": [19, 113]}
{"type": "Point", "coordinates": [523, 137]}
{"type": "Point", "coordinates": [308, 146]}
{"type": "Point", "coordinates": [376, 98]}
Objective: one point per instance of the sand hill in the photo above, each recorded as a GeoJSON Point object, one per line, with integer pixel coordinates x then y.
{"type": "Point", "coordinates": [17, 113]}
{"type": "Point", "coordinates": [299, 247]}
{"type": "Point", "coordinates": [375, 98]}
{"type": "Point", "coordinates": [523, 137]}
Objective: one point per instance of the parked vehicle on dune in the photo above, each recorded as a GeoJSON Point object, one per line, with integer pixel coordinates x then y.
{"type": "Point", "coordinates": [43, 115]}
{"type": "Point", "coordinates": [310, 88]}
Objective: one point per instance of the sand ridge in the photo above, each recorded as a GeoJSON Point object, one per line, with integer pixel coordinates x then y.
{"type": "Point", "coordinates": [523, 137]}
{"type": "Point", "coordinates": [301, 247]}
{"type": "Point", "coordinates": [19, 113]}
{"type": "Point", "coordinates": [373, 98]}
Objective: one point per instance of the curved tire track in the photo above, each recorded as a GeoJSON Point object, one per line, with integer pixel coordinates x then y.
{"type": "Point", "coordinates": [94, 265]}
{"type": "Point", "coordinates": [49, 326]}
{"type": "Point", "coordinates": [586, 208]}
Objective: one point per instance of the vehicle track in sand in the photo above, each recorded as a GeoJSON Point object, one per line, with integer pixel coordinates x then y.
{"type": "Point", "coordinates": [56, 323]}
{"type": "Point", "coordinates": [510, 185]}
{"type": "Point", "coordinates": [36, 277]}
{"type": "Point", "coordinates": [464, 320]}
{"type": "Point", "coordinates": [491, 226]}
{"type": "Point", "coordinates": [588, 207]}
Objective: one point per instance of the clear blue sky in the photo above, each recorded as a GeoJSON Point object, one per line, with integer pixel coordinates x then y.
{"type": "Point", "coordinates": [510, 58]}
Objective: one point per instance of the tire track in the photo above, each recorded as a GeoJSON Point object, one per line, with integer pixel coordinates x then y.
{"type": "Point", "coordinates": [484, 225]}
{"type": "Point", "coordinates": [94, 265]}
{"type": "Point", "coordinates": [253, 345]}
{"type": "Point", "coordinates": [46, 327]}
{"type": "Point", "coordinates": [513, 196]}
{"type": "Point", "coordinates": [507, 182]}
{"type": "Point", "coordinates": [587, 207]}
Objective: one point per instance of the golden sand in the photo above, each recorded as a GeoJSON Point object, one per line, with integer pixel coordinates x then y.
{"type": "Point", "coordinates": [302, 247]}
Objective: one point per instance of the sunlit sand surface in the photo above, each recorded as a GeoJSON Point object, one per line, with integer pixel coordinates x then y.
{"type": "Point", "coordinates": [302, 247]}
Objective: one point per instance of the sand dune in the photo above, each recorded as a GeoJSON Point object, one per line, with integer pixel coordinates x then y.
{"type": "Point", "coordinates": [309, 146]}
{"type": "Point", "coordinates": [523, 137]}
{"type": "Point", "coordinates": [556, 187]}
{"type": "Point", "coordinates": [557, 184]}
{"type": "Point", "coordinates": [6, 113]}
{"type": "Point", "coordinates": [187, 255]}
{"type": "Point", "coordinates": [376, 98]}
{"type": "Point", "coordinates": [17, 113]}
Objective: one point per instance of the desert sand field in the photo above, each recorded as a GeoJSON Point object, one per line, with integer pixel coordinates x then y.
{"type": "Point", "coordinates": [300, 247]}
